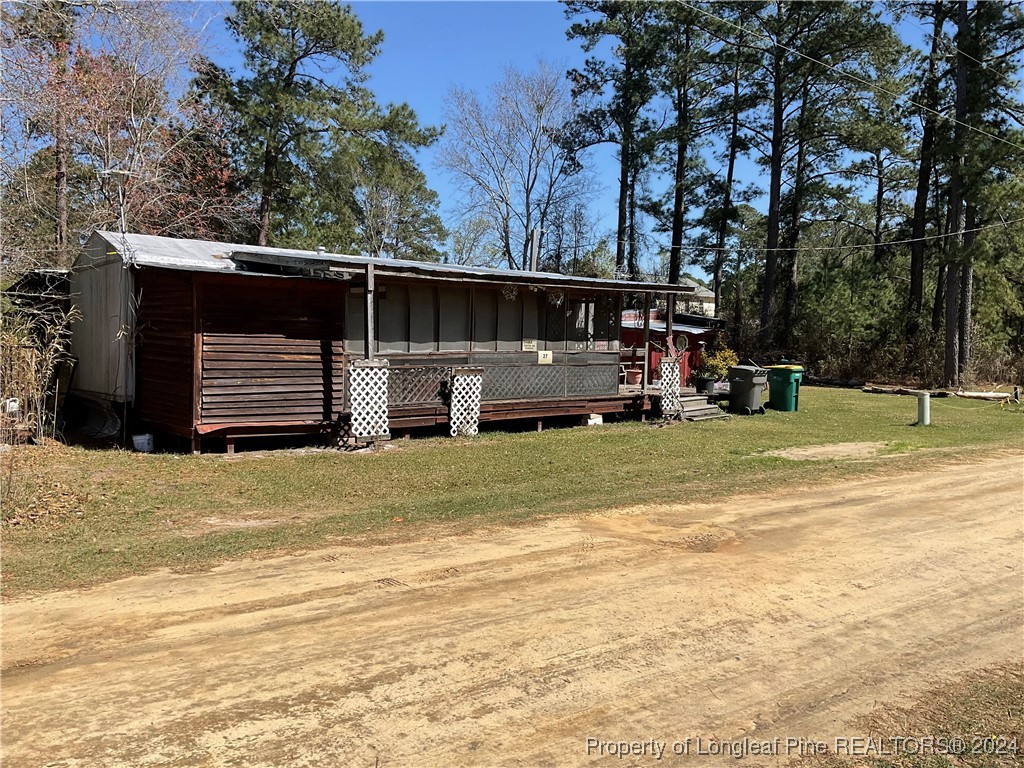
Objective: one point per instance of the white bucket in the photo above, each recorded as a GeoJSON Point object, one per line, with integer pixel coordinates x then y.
{"type": "Point", "coordinates": [143, 443]}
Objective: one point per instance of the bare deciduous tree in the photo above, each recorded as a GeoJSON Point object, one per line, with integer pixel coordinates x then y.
{"type": "Point", "coordinates": [92, 87]}
{"type": "Point", "coordinates": [509, 155]}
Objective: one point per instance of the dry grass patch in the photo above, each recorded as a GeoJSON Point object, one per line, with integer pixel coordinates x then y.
{"type": "Point", "coordinates": [982, 711]}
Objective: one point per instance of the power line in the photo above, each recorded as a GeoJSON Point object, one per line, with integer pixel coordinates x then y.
{"type": "Point", "coordinates": [851, 76]}
{"type": "Point", "coordinates": [951, 46]}
{"type": "Point", "coordinates": [866, 245]}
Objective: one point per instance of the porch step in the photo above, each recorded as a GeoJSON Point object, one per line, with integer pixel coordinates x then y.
{"type": "Point", "coordinates": [706, 416]}
{"type": "Point", "coordinates": [684, 399]}
{"type": "Point", "coordinates": [693, 404]}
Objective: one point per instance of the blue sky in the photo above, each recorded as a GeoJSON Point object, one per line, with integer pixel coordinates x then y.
{"type": "Point", "coordinates": [430, 46]}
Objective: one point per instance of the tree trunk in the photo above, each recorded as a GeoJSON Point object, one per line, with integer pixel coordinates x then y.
{"type": "Point", "coordinates": [631, 256]}
{"type": "Point", "coordinates": [727, 212]}
{"type": "Point", "coordinates": [60, 186]}
{"type": "Point", "coordinates": [915, 296]}
{"type": "Point", "coordinates": [60, 147]}
{"type": "Point", "coordinates": [682, 104]}
{"type": "Point", "coordinates": [966, 294]}
{"type": "Point", "coordinates": [943, 224]}
{"type": "Point", "coordinates": [771, 262]}
{"type": "Point", "coordinates": [951, 376]}
{"type": "Point", "coordinates": [951, 371]}
{"type": "Point", "coordinates": [879, 206]}
{"type": "Point", "coordinates": [940, 283]}
{"type": "Point", "coordinates": [793, 232]}
{"type": "Point", "coordinates": [738, 311]}
{"type": "Point", "coordinates": [267, 186]}
{"type": "Point", "coordinates": [625, 164]}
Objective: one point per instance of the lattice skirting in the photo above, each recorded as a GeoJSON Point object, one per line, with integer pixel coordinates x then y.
{"type": "Point", "coordinates": [368, 393]}
{"type": "Point", "coordinates": [413, 385]}
{"type": "Point", "coordinates": [670, 403]}
{"type": "Point", "coordinates": [464, 408]}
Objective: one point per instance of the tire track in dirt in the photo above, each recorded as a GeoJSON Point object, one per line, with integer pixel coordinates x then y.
{"type": "Point", "coordinates": [788, 615]}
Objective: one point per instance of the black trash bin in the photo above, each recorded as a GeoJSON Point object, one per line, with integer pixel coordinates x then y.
{"type": "Point", "coordinates": [746, 383]}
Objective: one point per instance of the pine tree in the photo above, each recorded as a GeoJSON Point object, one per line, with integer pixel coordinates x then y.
{"type": "Point", "coordinates": [629, 87]}
{"type": "Point", "coordinates": [302, 110]}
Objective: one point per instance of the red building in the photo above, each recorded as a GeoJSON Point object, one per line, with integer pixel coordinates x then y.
{"type": "Point", "coordinates": [690, 333]}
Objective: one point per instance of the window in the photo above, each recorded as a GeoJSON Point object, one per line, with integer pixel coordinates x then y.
{"type": "Point", "coordinates": [510, 324]}
{"type": "Point", "coordinates": [355, 321]}
{"type": "Point", "coordinates": [580, 324]}
{"type": "Point", "coordinates": [554, 320]}
{"type": "Point", "coordinates": [422, 319]}
{"type": "Point", "coordinates": [485, 320]}
{"type": "Point", "coordinates": [606, 323]}
{"type": "Point", "coordinates": [453, 307]}
{"type": "Point", "coordinates": [393, 318]}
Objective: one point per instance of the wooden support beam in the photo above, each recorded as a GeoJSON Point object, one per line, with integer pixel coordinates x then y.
{"type": "Point", "coordinates": [669, 321]}
{"type": "Point", "coordinates": [371, 342]}
{"type": "Point", "coordinates": [647, 342]}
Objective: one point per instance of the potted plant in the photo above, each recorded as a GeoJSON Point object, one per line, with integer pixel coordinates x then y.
{"type": "Point", "coordinates": [715, 362]}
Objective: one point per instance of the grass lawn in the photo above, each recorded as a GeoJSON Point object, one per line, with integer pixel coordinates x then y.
{"type": "Point", "coordinates": [74, 517]}
{"type": "Point", "coordinates": [975, 722]}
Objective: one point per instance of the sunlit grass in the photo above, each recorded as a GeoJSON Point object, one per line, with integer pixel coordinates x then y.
{"type": "Point", "coordinates": [87, 516]}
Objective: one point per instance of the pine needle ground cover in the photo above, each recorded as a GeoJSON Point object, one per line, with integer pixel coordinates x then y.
{"type": "Point", "coordinates": [74, 517]}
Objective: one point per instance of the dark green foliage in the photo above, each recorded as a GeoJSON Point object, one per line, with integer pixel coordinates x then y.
{"type": "Point", "coordinates": [328, 164]}
{"type": "Point", "coordinates": [877, 206]}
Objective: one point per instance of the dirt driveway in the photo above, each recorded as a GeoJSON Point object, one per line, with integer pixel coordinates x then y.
{"type": "Point", "coordinates": [781, 617]}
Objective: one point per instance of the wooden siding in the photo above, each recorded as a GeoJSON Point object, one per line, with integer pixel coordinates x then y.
{"type": "Point", "coordinates": [163, 350]}
{"type": "Point", "coordinates": [272, 351]}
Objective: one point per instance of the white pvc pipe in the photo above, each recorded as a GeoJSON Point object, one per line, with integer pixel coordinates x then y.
{"type": "Point", "coordinates": [924, 409]}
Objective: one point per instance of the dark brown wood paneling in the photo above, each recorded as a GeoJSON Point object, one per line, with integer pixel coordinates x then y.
{"type": "Point", "coordinates": [272, 351]}
{"type": "Point", "coordinates": [163, 349]}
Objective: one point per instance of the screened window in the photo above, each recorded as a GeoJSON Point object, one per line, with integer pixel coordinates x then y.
{"type": "Point", "coordinates": [393, 318]}
{"type": "Point", "coordinates": [606, 323]}
{"type": "Point", "coordinates": [485, 320]}
{"type": "Point", "coordinates": [555, 311]}
{"type": "Point", "coordinates": [453, 311]}
{"type": "Point", "coordinates": [422, 318]}
{"type": "Point", "coordinates": [355, 321]}
{"type": "Point", "coordinates": [531, 315]}
{"type": "Point", "coordinates": [580, 324]}
{"type": "Point", "coordinates": [510, 323]}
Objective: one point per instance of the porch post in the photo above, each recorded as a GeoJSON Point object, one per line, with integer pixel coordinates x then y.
{"type": "Point", "coordinates": [670, 300]}
{"type": "Point", "coordinates": [371, 342]}
{"type": "Point", "coordinates": [647, 341]}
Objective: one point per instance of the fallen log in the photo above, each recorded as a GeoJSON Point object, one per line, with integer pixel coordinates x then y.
{"type": "Point", "coordinates": [996, 396]}
{"type": "Point", "coordinates": [874, 390]}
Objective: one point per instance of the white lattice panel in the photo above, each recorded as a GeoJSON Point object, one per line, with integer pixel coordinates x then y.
{"type": "Point", "coordinates": [368, 393]}
{"type": "Point", "coordinates": [670, 404]}
{"type": "Point", "coordinates": [464, 409]}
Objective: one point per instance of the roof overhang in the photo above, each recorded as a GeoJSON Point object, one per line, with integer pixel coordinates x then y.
{"type": "Point", "coordinates": [344, 266]}
{"type": "Point", "coordinates": [232, 258]}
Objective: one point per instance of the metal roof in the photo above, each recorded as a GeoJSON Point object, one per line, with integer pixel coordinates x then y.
{"type": "Point", "coordinates": [209, 256]}
{"type": "Point", "coordinates": [658, 326]}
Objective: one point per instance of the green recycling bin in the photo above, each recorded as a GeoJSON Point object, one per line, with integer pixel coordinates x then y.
{"type": "Point", "coordinates": [784, 386]}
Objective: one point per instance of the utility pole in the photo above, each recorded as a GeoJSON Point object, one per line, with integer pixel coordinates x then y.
{"type": "Point", "coordinates": [534, 248]}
